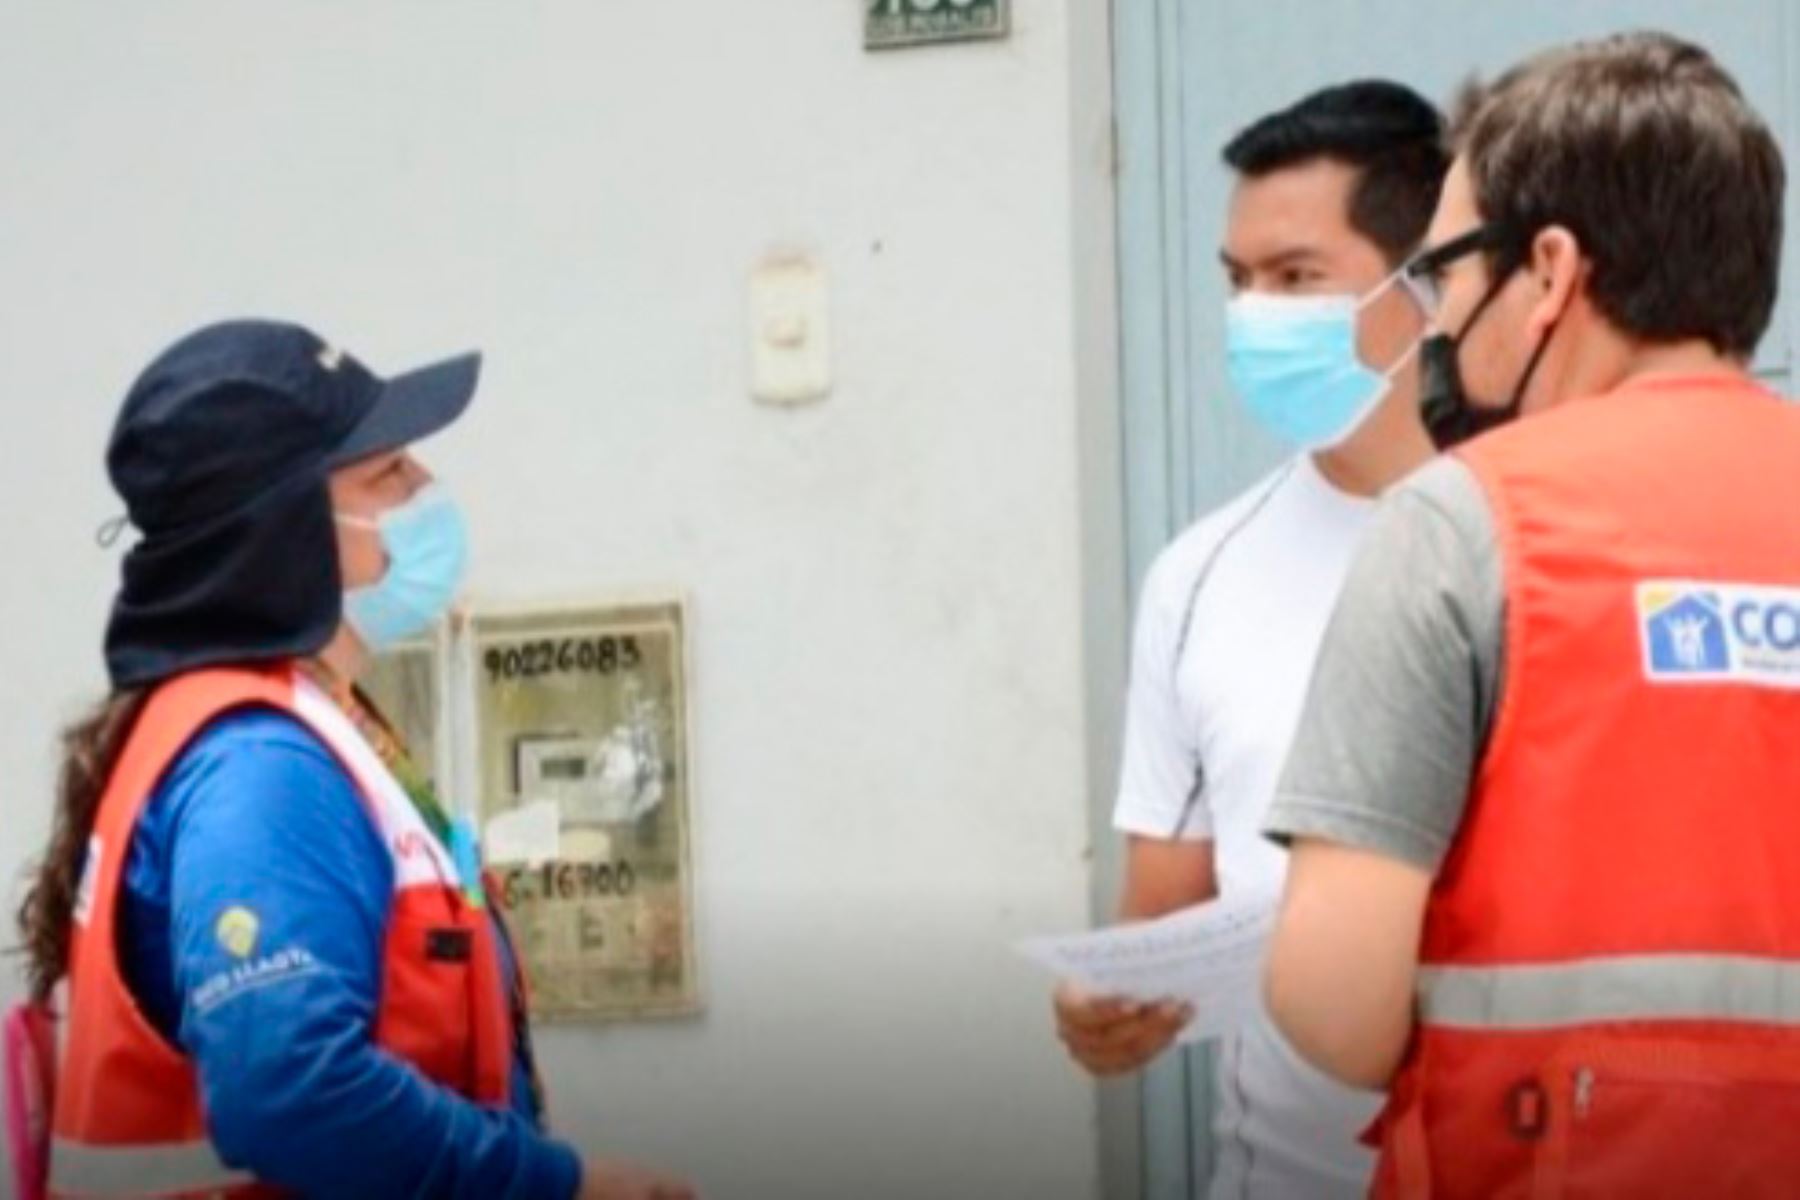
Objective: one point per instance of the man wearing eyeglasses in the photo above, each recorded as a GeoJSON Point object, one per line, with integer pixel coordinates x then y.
{"type": "Point", "coordinates": [1544, 802]}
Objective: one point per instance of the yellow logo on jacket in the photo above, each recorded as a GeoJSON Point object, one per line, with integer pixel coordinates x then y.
{"type": "Point", "coordinates": [236, 930]}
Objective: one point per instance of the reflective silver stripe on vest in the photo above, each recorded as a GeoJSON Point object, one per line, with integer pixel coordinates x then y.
{"type": "Point", "coordinates": [80, 1169]}
{"type": "Point", "coordinates": [1627, 988]}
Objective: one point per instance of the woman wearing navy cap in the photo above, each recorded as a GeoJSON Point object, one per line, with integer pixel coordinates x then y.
{"type": "Point", "coordinates": [282, 976]}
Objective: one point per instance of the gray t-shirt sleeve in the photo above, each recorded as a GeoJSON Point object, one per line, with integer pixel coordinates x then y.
{"type": "Point", "coordinates": [1407, 680]}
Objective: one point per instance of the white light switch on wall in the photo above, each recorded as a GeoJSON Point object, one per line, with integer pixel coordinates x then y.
{"type": "Point", "coordinates": [790, 337]}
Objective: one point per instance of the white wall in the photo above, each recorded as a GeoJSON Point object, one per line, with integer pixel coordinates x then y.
{"type": "Point", "coordinates": [892, 703]}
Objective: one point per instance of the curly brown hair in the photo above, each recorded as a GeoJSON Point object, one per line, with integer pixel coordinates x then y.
{"type": "Point", "coordinates": [90, 748]}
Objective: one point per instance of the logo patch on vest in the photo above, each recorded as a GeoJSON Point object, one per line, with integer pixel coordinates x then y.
{"type": "Point", "coordinates": [1720, 633]}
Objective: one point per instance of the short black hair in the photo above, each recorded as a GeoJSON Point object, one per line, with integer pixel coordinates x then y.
{"type": "Point", "coordinates": [1393, 136]}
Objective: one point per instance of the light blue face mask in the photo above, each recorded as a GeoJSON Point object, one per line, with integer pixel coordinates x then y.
{"type": "Point", "coordinates": [1293, 362]}
{"type": "Point", "coordinates": [427, 547]}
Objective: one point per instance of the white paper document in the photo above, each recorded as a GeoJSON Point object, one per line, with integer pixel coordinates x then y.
{"type": "Point", "coordinates": [1210, 956]}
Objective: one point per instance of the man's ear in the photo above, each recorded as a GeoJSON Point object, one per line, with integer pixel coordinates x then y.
{"type": "Point", "coordinates": [1556, 269]}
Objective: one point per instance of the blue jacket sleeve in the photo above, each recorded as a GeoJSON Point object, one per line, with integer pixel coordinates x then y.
{"type": "Point", "coordinates": [279, 894]}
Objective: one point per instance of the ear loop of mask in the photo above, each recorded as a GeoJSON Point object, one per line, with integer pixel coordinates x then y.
{"type": "Point", "coordinates": [1398, 275]}
{"type": "Point", "coordinates": [1449, 417]}
{"type": "Point", "coordinates": [1510, 410]}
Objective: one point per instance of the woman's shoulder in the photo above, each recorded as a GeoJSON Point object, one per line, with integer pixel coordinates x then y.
{"type": "Point", "coordinates": [259, 766]}
{"type": "Point", "coordinates": [256, 728]}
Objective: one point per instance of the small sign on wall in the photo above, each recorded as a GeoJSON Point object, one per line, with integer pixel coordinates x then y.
{"type": "Point", "coordinates": [890, 23]}
{"type": "Point", "coordinates": [565, 730]}
{"type": "Point", "coordinates": [582, 724]}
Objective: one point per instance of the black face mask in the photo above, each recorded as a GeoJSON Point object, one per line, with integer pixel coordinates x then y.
{"type": "Point", "coordinates": [1444, 405]}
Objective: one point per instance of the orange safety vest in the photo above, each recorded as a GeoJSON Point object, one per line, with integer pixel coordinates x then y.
{"type": "Point", "coordinates": [128, 1118]}
{"type": "Point", "coordinates": [1609, 993]}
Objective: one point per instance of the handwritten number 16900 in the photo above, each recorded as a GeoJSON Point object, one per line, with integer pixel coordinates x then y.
{"type": "Point", "coordinates": [560, 656]}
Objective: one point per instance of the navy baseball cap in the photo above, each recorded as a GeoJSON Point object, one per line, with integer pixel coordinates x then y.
{"type": "Point", "coordinates": [221, 453]}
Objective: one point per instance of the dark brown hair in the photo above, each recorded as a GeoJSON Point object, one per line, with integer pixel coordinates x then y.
{"type": "Point", "coordinates": [1643, 147]}
{"type": "Point", "coordinates": [90, 748]}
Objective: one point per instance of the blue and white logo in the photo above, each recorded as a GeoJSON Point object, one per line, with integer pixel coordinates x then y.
{"type": "Point", "coordinates": [1720, 632]}
{"type": "Point", "coordinates": [1684, 632]}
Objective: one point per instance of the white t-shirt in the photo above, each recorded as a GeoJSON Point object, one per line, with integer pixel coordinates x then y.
{"type": "Point", "coordinates": [1229, 622]}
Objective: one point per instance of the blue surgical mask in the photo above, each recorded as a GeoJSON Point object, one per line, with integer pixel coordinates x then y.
{"type": "Point", "coordinates": [1293, 362]}
{"type": "Point", "coordinates": [427, 547]}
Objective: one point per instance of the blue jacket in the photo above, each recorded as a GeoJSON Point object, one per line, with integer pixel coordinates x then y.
{"type": "Point", "coordinates": [257, 815]}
